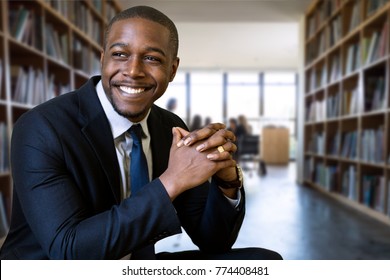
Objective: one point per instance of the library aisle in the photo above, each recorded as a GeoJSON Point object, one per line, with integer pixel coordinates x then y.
{"type": "Point", "coordinates": [301, 223]}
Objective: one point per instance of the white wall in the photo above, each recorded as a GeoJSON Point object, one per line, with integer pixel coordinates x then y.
{"type": "Point", "coordinates": [261, 46]}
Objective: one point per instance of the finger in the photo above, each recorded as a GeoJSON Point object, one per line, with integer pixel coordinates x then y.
{"type": "Point", "coordinates": [223, 152]}
{"type": "Point", "coordinates": [177, 136]}
{"type": "Point", "coordinates": [219, 138]}
{"type": "Point", "coordinates": [202, 133]}
{"type": "Point", "coordinates": [183, 133]}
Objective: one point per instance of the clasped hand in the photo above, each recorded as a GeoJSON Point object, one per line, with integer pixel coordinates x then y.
{"type": "Point", "coordinates": [194, 158]}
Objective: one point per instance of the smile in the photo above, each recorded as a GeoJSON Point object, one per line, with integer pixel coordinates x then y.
{"type": "Point", "coordinates": [130, 90]}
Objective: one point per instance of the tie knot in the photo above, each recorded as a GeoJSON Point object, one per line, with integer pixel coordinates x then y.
{"type": "Point", "coordinates": [136, 132]}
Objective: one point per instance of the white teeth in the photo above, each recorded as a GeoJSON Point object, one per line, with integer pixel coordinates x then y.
{"type": "Point", "coordinates": [130, 90]}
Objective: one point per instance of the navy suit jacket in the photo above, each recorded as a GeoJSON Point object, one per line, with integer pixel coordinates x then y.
{"type": "Point", "coordinates": [66, 201]}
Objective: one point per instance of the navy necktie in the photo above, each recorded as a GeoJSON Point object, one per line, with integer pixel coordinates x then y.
{"type": "Point", "coordinates": [139, 175]}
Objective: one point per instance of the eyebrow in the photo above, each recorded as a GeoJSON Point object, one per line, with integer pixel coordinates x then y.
{"type": "Point", "coordinates": [153, 49]}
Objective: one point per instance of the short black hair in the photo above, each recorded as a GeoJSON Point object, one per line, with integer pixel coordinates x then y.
{"type": "Point", "coordinates": [151, 14]}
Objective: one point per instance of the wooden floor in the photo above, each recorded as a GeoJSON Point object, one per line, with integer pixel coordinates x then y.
{"type": "Point", "coordinates": [300, 223]}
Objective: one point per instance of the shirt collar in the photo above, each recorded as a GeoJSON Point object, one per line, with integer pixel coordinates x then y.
{"type": "Point", "coordinates": [118, 123]}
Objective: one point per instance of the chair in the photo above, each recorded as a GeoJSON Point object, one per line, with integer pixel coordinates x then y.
{"type": "Point", "coordinates": [248, 150]}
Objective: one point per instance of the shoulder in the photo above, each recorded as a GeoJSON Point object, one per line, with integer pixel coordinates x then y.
{"type": "Point", "coordinates": [166, 117]}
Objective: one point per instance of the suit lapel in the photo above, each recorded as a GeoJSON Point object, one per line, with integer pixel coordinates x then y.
{"type": "Point", "coordinates": [97, 130]}
{"type": "Point", "coordinates": [161, 140]}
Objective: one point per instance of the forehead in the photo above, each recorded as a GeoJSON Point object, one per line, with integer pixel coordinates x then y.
{"type": "Point", "coordinates": [138, 29]}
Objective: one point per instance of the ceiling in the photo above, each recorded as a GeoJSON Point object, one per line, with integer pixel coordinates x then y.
{"type": "Point", "coordinates": [235, 34]}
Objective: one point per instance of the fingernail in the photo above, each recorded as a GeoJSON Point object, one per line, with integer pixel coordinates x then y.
{"type": "Point", "coordinates": [187, 141]}
{"type": "Point", "coordinates": [179, 144]}
{"type": "Point", "coordinates": [211, 156]}
{"type": "Point", "coordinates": [200, 147]}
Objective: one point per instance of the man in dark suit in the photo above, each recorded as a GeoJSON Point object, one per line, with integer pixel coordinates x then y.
{"type": "Point", "coordinates": [72, 198]}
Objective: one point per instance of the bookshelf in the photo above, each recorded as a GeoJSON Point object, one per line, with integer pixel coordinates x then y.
{"type": "Point", "coordinates": [47, 47]}
{"type": "Point", "coordinates": [347, 103]}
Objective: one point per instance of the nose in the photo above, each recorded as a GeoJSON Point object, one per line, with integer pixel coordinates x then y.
{"type": "Point", "coordinates": [134, 68]}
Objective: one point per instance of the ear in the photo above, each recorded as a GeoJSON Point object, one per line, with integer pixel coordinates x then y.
{"type": "Point", "coordinates": [175, 66]}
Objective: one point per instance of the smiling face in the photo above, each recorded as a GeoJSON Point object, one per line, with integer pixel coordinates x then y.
{"type": "Point", "coordinates": [137, 65]}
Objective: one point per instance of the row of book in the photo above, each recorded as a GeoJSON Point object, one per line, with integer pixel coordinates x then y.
{"type": "Point", "coordinates": [57, 44]}
{"type": "Point", "coordinates": [328, 108]}
{"type": "Point", "coordinates": [374, 99]}
{"type": "Point", "coordinates": [374, 46]}
{"type": "Point", "coordinates": [316, 143]}
{"type": "Point", "coordinates": [26, 26]}
{"type": "Point", "coordinates": [4, 148]}
{"type": "Point", "coordinates": [29, 86]}
{"type": "Point", "coordinates": [84, 19]}
{"type": "Point", "coordinates": [68, 8]}
{"type": "Point", "coordinates": [316, 111]}
{"type": "Point", "coordinates": [318, 78]}
{"type": "Point", "coordinates": [372, 146]}
{"type": "Point", "coordinates": [318, 17]}
{"type": "Point", "coordinates": [373, 192]}
{"type": "Point", "coordinates": [328, 37]}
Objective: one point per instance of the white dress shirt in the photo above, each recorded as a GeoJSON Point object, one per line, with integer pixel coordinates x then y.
{"type": "Point", "coordinates": [123, 141]}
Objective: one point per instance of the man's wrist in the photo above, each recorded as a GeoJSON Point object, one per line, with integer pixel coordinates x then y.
{"type": "Point", "coordinates": [234, 184]}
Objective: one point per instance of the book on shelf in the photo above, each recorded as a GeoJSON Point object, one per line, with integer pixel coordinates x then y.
{"type": "Point", "coordinates": [333, 106]}
{"type": "Point", "coordinates": [55, 89]}
{"type": "Point", "coordinates": [25, 26]}
{"type": "Point", "coordinates": [349, 145]}
{"type": "Point", "coordinates": [60, 6]}
{"type": "Point", "coordinates": [335, 72]}
{"type": "Point", "coordinates": [4, 224]}
{"type": "Point", "coordinates": [374, 5]}
{"type": "Point", "coordinates": [373, 145]}
{"type": "Point", "coordinates": [318, 143]}
{"type": "Point", "coordinates": [110, 12]}
{"type": "Point", "coordinates": [81, 55]}
{"type": "Point", "coordinates": [388, 197]}
{"type": "Point", "coordinates": [4, 148]}
{"type": "Point", "coordinates": [316, 111]}
{"type": "Point", "coordinates": [335, 144]}
{"type": "Point", "coordinates": [321, 43]}
{"type": "Point", "coordinates": [309, 169]}
{"type": "Point", "coordinates": [349, 183]}
{"type": "Point", "coordinates": [354, 21]}
{"type": "Point", "coordinates": [374, 94]}
{"type": "Point", "coordinates": [1, 76]}
{"type": "Point", "coordinates": [56, 44]}
{"type": "Point", "coordinates": [374, 191]}
{"type": "Point", "coordinates": [28, 85]}
{"type": "Point", "coordinates": [331, 174]}
{"type": "Point", "coordinates": [372, 44]}
{"type": "Point", "coordinates": [353, 58]}
{"type": "Point", "coordinates": [350, 101]}
{"type": "Point", "coordinates": [335, 31]}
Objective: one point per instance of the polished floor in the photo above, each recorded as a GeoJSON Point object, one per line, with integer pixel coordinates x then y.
{"type": "Point", "coordinates": [300, 223]}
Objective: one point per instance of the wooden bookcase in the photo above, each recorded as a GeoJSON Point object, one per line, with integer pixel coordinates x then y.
{"type": "Point", "coordinates": [347, 103]}
{"type": "Point", "coordinates": [46, 48]}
